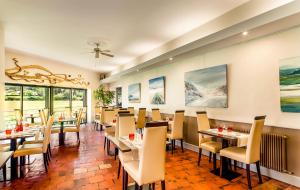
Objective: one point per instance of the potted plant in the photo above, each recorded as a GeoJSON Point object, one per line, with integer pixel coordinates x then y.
{"type": "Point", "coordinates": [106, 97]}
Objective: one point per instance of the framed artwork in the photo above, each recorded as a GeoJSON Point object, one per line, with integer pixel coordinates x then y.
{"type": "Point", "coordinates": [134, 93]}
{"type": "Point", "coordinates": [289, 72]}
{"type": "Point", "coordinates": [157, 90]}
{"type": "Point", "coordinates": [207, 87]}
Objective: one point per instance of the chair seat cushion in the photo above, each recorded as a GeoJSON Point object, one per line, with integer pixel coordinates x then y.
{"type": "Point", "coordinates": [69, 125]}
{"type": "Point", "coordinates": [71, 129]}
{"type": "Point", "coordinates": [128, 156]}
{"type": "Point", "coordinates": [4, 147]}
{"type": "Point", "coordinates": [110, 131]}
{"type": "Point", "coordinates": [33, 142]}
{"type": "Point", "coordinates": [28, 149]}
{"type": "Point", "coordinates": [55, 130]}
{"type": "Point", "coordinates": [211, 146]}
{"type": "Point", "coordinates": [132, 168]}
{"type": "Point", "coordinates": [235, 153]}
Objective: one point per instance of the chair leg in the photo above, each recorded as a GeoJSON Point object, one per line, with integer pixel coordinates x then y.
{"type": "Point", "coordinates": [116, 153]}
{"type": "Point", "coordinates": [258, 172]}
{"type": "Point", "coordinates": [119, 169]}
{"type": "Point", "coordinates": [126, 180]}
{"type": "Point", "coordinates": [78, 138]}
{"type": "Point", "coordinates": [172, 142]}
{"type": "Point", "coordinates": [234, 164]}
{"type": "Point", "coordinates": [221, 166]}
{"type": "Point", "coordinates": [45, 162]}
{"type": "Point", "coordinates": [215, 162]}
{"type": "Point", "coordinates": [209, 160]}
{"type": "Point", "coordinates": [248, 176]}
{"type": "Point", "coordinates": [4, 172]}
{"type": "Point", "coordinates": [199, 156]}
{"type": "Point", "coordinates": [181, 142]}
{"type": "Point", "coordinates": [136, 186]}
{"type": "Point", "coordinates": [153, 186]}
{"type": "Point", "coordinates": [104, 142]}
{"type": "Point", "coordinates": [108, 147]}
{"type": "Point", "coordinates": [163, 185]}
{"type": "Point", "coordinates": [229, 163]}
{"type": "Point", "coordinates": [49, 147]}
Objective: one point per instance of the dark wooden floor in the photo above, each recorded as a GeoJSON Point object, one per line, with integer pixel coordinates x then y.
{"type": "Point", "coordinates": [87, 167]}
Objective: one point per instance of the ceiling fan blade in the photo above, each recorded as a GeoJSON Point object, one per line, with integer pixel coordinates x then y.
{"type": "Point", "coordinates": [106, 50]}
{"type": "Point", "coordinates": [106, 54]}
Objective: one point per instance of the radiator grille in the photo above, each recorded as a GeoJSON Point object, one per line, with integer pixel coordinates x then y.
{"type": "Point", "coordinates": [273, 152]}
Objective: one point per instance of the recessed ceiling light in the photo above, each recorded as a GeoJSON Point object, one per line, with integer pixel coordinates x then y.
{"type": "Point", "coordinates": [171, 59]}
{"type": "Point", "coordinates": [245, 33]}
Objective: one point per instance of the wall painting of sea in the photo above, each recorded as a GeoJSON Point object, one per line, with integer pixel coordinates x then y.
{"type": "Point", "coordinates": [157, 90]}
{"type": "Point", "coordinates": [206, 87]}
{"type": "Point", "coordinates": [290, 84]}
{"type": "Point", "coordinates": [134, 93]}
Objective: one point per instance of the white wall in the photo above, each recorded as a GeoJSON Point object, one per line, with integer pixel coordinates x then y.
{"type": "Point", "coordinates": [253, 79]}
{"type": "Point", "coordinates": [57, 68]}
{"type": "Point", "coordinates": [1, 76]}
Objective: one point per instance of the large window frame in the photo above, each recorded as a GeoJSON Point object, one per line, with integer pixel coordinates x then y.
{"type": "Point", "coordinates": [49, 95]}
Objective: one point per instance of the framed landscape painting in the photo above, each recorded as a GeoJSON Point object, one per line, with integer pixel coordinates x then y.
{"type": "Point", "coordinates": [134, 93]}
{"type": "Point", "coordinates": [289, 72]}
{"type": "Point", "coordinates": [207, 87]}
{"type": "Point", "coordinates": [157, 90]}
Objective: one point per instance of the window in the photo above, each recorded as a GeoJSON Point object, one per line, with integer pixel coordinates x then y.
{"type": "Point", "coordinates": [13, 103]}
{"type": "Point", "coordinates": [62, 102]}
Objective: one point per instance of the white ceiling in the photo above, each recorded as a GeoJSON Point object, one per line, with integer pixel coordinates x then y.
{"type": "Point", "coordinates": [60, 29]}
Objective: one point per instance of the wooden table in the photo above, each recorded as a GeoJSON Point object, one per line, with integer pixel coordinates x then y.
{"type": "Point", "coordinates": [4, 156]}
{"type": "Point", "coordinates": [13, 146]}
{"type": "Point", "coordinates": [225, 137]}
{"type": "Point", "coordinates": [61, 134]}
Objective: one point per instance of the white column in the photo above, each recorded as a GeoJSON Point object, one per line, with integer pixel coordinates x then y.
{"type": "Point", "coordinates": [2, 76]}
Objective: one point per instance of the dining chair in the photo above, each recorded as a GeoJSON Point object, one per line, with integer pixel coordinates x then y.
{"type": "Point", "coordinates": [37, 148]}
{"type": "Point", "coordinates": [131, 110]}
{"type": "Point", "coordinates": [206, 142]}
{"type": "Point", "coordinates": [126, 126]}
{"type": "Point", "coordinates": [99, 116]}
{"type": "Point", "coordinates": [18, 115]}
{"type": "Point", "coordinates": [110, 131]}
{"type": "Point", "coordinates": [141, 119]}
{"type": "Point", "coordinates": [107, 116]}
{"type": "Point", "coordinates": [156, 114]}
{"type": "Point", "coordinates": [75, 128]}
{"type": "Point", "coordinates": [248, 155]}
{"type": "Point", "coordinates": [150, 168]}
{"type": "Point", "coordinates": [176, 129]}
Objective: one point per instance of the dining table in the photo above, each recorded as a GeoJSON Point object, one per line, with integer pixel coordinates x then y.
{"type": "Point", "coordinates": [13, 137]}
{"type": "Point", "coordinates": [61, 135]}
{"type": "Point", "coordinates": [227, 137]}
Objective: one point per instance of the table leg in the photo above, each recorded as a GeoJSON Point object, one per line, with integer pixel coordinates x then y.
{"type": "Point", "coordinates": [61, 134]}
{"type": "Point", "coordinates": [14, 161]}
{"type": "Point", "coordinates": [32, 120]}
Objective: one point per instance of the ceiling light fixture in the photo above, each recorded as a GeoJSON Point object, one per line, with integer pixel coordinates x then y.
{"type": "Point", "coordinates": [171, 59]}
{"type": "Point", "coordinates": [245, 33]}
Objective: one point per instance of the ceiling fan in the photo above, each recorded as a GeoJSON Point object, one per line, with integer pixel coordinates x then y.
{"type": "Point", "coordinates": [98, 51]}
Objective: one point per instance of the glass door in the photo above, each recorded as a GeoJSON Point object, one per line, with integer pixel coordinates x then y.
{"type": "Point", "coordinates": [61, 100]}
{"type": "Point", "coordinates": [12, 104]}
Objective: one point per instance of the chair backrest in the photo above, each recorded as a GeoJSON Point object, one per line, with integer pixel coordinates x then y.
{"type": "Point", "coordinates": [79, 118]}
{"type": "Point", "coordinates": [46, 112]}
{"type": "Point", "coordinates": [141, 118]}
{"type": "Point", "coordinates": [153, 154]}
{"type": "Point", "coordinates": [126, 124]}
{"type": "Point", "coordinates": [203, 124]}
{"type": "Point", "coordinates": [47, 133]}
{"type": "Point", "coordinates": [68, 112]}
{"type": "Point", "coordinates": [177, 130]}
{"type": "Point", "coordinates": [253, 144]}
{"type": "Point", "coordinates": [18, 115]}
{"type": "Point", "coordinates": [131, 110]}
{"type": "Point", "coordinates": [156, 114]}
{"type": "Point", "coordinates": [108, 115]}
{"type": "Point", "coordinates": [41, 113]}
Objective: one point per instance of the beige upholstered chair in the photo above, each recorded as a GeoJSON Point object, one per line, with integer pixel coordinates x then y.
{"type": "Point", "coordinates": [18, 115]}
{"type": "Point", "coordinates": [150, 168]}
{"type": "Point", "coordinates": [252, 153]}
{"type": "Point", "coordinates": [206, 142]}
{"type": "Point", "coordinates": [107, 116]}
{"type": "Point", "coordinates": [38, 148]}
{"type": "Point", "coordinates": [126, 125]}
{"type": "Point", "coordinates": [177, 129]}
{"type": "Point", "coordinates": [140, 124]}
{"type": "Point", "coordinates": [76, 128]}
{"type": "Point", "coordinates": [131, 110]}
{"type": "Point", "coordinates": [156, 114]}
{"type": "Point", "coordinates": [99, 118]}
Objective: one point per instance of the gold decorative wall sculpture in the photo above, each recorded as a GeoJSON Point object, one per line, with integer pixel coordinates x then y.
{"type": "Point", "coordinates": [39, 74]}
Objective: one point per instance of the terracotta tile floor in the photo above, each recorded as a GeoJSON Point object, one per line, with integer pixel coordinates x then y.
{"type": "Point", "coordinates": [88, 167]}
